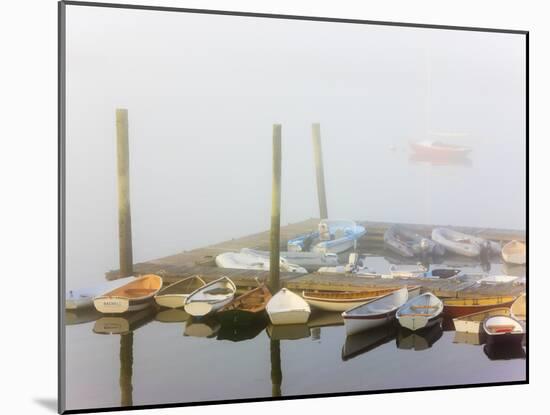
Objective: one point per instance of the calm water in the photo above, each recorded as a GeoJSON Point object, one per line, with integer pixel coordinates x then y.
{"type": "Point", "coordinates": [167, 357]}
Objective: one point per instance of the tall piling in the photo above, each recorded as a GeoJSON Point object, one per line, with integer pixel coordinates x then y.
{"type": "Point", "coordinates": [319, 170]}
{"type": "Point", "coordinates": [123, 183]}
{"type": "Point", "coordinates": [274, 257]}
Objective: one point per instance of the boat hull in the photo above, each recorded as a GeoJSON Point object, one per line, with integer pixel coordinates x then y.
{"type": "Point", "coordinates": [336, 305]}
{"type": "Point", "coordinates": [414, 323]}
{"type": "Point", "coordinates": [459, 311]}
{"type": "Point", "coordinates": [356, 324]}
{"type": "Point", "coordinates": [507, 339]}
{"type": "Point", "coordinates": [289, 317]}
{"type": "Point", "coordinates": [201, 308]}
{"type": "Point", "coordinates": [114, 305]}
{"type": "Point", "coordinates": [171, 300]}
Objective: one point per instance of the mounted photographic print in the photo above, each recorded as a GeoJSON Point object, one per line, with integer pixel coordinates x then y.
{"type": "Point", "coordinates": [258, 207]}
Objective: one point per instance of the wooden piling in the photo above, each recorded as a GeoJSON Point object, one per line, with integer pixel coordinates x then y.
{"type": "Point", "coordinates": [319, 170]}
{"type": "Point", "coordinates": [126, 369]}
{"type": "Point", "coordinates": [274, 258]}
{"type": "Point", "coordinates": [123, 181]}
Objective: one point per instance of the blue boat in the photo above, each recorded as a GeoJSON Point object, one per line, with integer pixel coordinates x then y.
{"type": "Point", "coordinates": [333, 236]}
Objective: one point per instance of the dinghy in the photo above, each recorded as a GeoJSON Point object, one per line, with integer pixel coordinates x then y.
{"type": "Point", "coordinates": [420, 312]}
{"type": "Point", "coordinates": [456, 307]}
{"type": "Point", "coordinates": [333, 236]}
{"type": "Point", "coordinates": [84, 297]}
{"type": "Point", "coordinates": [210, 297]}
{"type": "Point", "coordinates": [471, 323]}
{"type": "Point", "coordinates": [497, 279]}
{"type": "Point", "coordinates": [245, 308]}
{"type": "Point", "coordinates": [408, 243]}
{"type": "Point", "coordinates": [311, 261]}
{"type": "Point", "coordinates": [514, 252]}
{"type": "Point", "coordinates": [437, 149]}
{"type": "Point", "coordinates": [250, 260]}
{"type": "Point", "coordinates": [503, 330]}
{"type": "Point", "coordinates": [285, 307]}
{"type": "Point", "coordinates": [174, 295]}
{"type": "Point", "coordinates": [374, 313]}
{"type": "Point", "coordinates": [519, 308]}
{"type": "Point", "coordinates": [463, 244]}
{"type": "Point", "coordinates": [135, 295]}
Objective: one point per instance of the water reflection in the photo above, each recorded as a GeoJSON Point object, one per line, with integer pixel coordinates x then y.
{"type": "Point", "coordinates": [365, 341]}
{"type": "Point", "coordinates": [239, 332]}
{"type": "Point", "coordinates": [124, 324]}
{"type": "Point", "coordinates": [203, 327]}
{"type": "Point", "coordinates": [87, 315]}
{"type": "Point", "coordinates": [462, 161]}
{"type": "Point", "coordinates": [504, 353]}
{"type": "Point", "coordinates": [475, 339]}
{"type": "Point", "coordinates": [514, 270]}
{"type": "Point", "coordinates": [171, 315]}
{"type": "Point", "coordinates": [288, 331]}
{"type": "Point", "coordinates": [418, 340]}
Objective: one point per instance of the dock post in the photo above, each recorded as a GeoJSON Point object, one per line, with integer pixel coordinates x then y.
{"type": "Point", "coordinates": [276, 372]}
{"type": "Point", "coordinates": [319, 169]}
{"type": "Point", "coordinates": [126, 363]}
{"type": "Point", "coordinates": [274, 258]}
{"type": "Point", "coordinates": [123, 182]}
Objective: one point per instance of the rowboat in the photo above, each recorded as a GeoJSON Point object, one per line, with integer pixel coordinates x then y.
{"type": "Point", "coordinates": [250, 260]}
{"type": "Point", "coordinates": [365, 341]}
{"type": "Point", "coordinates": [343, 300]}
{"type": "Point", "coordinates": [288, 331]}
{"type": "Point", "coordinates": [124, 324]}
{"type": "Point", "coordinates": [374, 313]}
{"type": "Point", "coordinates": [311, 261]}
{"type": "Point", "coordinates": [247, 307]}
{"type": "Point", "coordinates": [285, 307]}
{"type": "Point", "coordinates": [471, 323]}
{"type": "Point", "coordinates": [463, 244]}
{"type": "Point", "coordinates": [503, 330]}
{"type": "Point", "coordinates": [210, 297]}
{"type": "Point", "coordinates": [135, 295]}
{"type": "Point", "coordinates": [456, 307]}
{"type": "Point", "coordinates": [408, 243]}
{"type": "Point", "coordinates": [356, 265]}
{"type": "Point", "coordinates": [514, 252]}
{"type": "Point", "coordinates": [519, 308]}
{"type": "Point", "coordinates": [422, 311]}
{"type": "Point", "coordinates": [419, 340]}
{"type": "Point", "coordinates": [84, 297]}
{"type": "Point", "coordinates": [437, 149]}
{"type": "Point", "coordinates": [497, 279]}
{"type": "Point", "coordinates": [174, 295]}
{"type": "Point", "coordinates": [333, 236]}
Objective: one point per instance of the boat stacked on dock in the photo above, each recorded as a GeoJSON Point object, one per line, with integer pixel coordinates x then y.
{"type": "Point", "coordinates": [249, 259]}
{"type": "Point", "coordinates": [407, 243]}
{"type": "Point", "coordinates": [333, 236]}
{"type": "Point", "coordinates": [463, 244]}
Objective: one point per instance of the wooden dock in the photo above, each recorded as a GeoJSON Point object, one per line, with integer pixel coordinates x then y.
{"type": "Point", "coordinates": [201, 261]}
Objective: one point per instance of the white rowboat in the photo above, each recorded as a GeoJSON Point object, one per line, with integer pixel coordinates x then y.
{"type": "Point", "coordinates": [210, 297]}
{"type": "Point", "coordinates": [514, 252]}
{"type": "Point", "coordinates": [422, 311]}
{"type": "Point", "coordinates": [285, 307]}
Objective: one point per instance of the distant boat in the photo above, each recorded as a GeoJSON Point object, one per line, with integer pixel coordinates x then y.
{"type": "Point", "coordinates": [285, 307]}
{"type": "Point", "coordinates": [503, 330]}
{"type": "Point", "coordinates": [457, 307]}
{"type": "Point", "coordinates": [519, 308]}
{"type": "Point", "coordinates": [356, 265]}
{"type": "Point", "coordinates": [497, 279]}
{"type": "Point", "coordinates": [247, 307]}
{"type": "Point", "coordinates": [344, 300]}
{"type": "Point", "coordinates": [210, 297]}
{"type": "Point", "coordinates": [439, 149]}
{"type": "Point", "coordinates": [84, 297]}
{"type": "Point", "coordinates": [514, 252]}
{"type": "Point", "coordinates": [407, 243]}
{"type": "Point", "coordinates": [374, 313]}
{"type": "Point", "coordinates": [174, 295]}
{"type": "Point", "coordinates": [420, 312]}
{"type": "Point", "coordinates": [308, 260]}
{"type": "Point", "coordinates": [463, 244]}
{"type": "Point", "coordinates": [251, 260]}
{"type": "Point", "coordinates": [407, 271]}
{"type": "Point", "coordinates": [135, 295]}
{"type": "Point", "coordinates": [471, 323]}
{"type": "Point", "coordinates": [333, 236]}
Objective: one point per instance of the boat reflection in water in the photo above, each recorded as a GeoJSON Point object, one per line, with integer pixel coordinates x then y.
{"type": "Point", "coordinates": [514, 270]}
{"type": "Point", "coordinates": [469, 338]}
{"type": "Point", "coordinates": [86, 315]}
{"type": "Point", "coordinates": [419, 340]}
{"type": "Point", "coordinates": [462, 160]}
{"type": "Point", "coordinates": [239, 332]}
{"type": "Point", "coordinates": [496, 352]}
{"type": "Point", "coordinates": [365, 341]}
{"type": "Point", "coordinates": [171, 315]}
{"type": "Point", "coordinates": [288, 331]}
{"type": "Point", "coordinates": [124, 323]}
{"type": "Point", "coordinates": [201, 327]}
{"type": "Point", "coordinates": [320, 318]}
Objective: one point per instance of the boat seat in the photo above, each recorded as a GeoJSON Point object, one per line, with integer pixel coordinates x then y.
{"type": "Point", "coordinates": [139, 291]}
{"type": "Point", "coordinates": [418, 315]}
{"type": "Point", "coordinates": [501, 328]}
{"type": "Point", "coordinates": [423, 306]}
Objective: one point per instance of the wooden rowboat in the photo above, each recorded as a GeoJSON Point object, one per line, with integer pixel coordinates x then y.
{"type": "Point", "coordinates": [136, 295]}
{"type": "Point", "coordinates": [343, 300]}
{"type": "Point", "coordinates": [210, 297]}
{"type": "Point", "coordinates": [519, 308]}
{"type": "Point", "coordinates": [420, 312]}
{"type": "Point", "coordinates": [456, 307]}
{"type": "Point", "coordinates": [514, 252]}
{"type": "Point", "coordinates": [245, 308]}
{"type": "Point", "coordinates": [84, 297]}
{"type": "Point", "coordinates": [471, 323]}
{"type": "Point", "coordinates": [174, 295]}
{"type": "Point", "coordinates": [285, 307]}
{"type": "Point", "coordinates": [503, 330]}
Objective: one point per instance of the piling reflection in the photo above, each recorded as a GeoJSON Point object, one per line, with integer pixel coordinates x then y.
{"type": "Point", "coordinates": [368, 340]}
{"type": "Point", "coordinates": [419, 340]}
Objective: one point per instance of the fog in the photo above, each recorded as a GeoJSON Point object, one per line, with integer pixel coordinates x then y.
{"type": "Point", "coordinates": [203, 92]}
